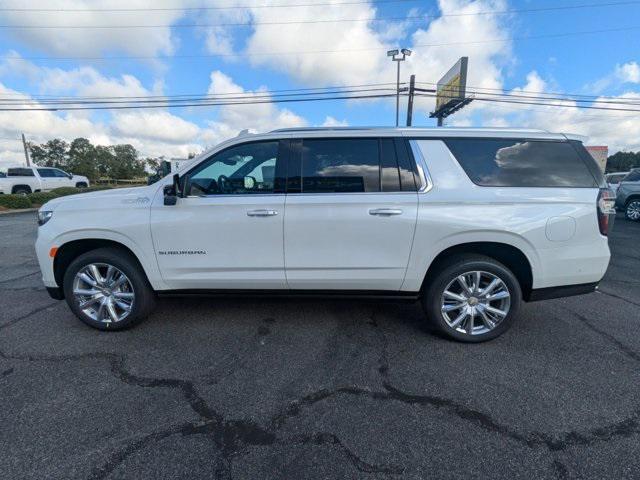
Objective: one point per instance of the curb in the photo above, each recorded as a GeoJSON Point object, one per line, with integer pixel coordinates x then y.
{"type": "Point", "coordinates": [22, 210]}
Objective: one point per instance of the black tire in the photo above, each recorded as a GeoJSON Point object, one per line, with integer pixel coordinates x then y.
{"type": "Point", "coordinates": [21, 190]}
{"type": "Point", "coordinates": [631, 208]}
{"type": "Point", "coordinates": [447, 272]}
{"type": "Point", "coordinates": [143, 302]}
{"type": "Point", "coordinates": [81, 185]}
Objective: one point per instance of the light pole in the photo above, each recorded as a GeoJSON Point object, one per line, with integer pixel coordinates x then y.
{"type": "Point", "coordinates": [395, 56]}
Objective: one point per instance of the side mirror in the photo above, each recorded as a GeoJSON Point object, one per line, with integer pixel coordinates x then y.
{"type": "Point", "coordinates": [70, 175]}
{"type": "Point", "coordinates": [171, 192]}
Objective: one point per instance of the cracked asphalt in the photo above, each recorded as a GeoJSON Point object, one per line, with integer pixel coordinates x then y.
{"type": "Point", "coordinates": [250, 389]}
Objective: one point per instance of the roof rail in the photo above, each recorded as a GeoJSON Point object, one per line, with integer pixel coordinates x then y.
{"type": "Point", "coordinates": [315, 129]}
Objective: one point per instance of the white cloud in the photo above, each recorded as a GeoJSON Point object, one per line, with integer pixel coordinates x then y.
{"type": "Point", "coordinates": [628, 73]}
{"type": "Point", "coordinates": [153, 132]}
{"type": "Point", "coordinates": [622, 74]}
{"type": "Point", "coordinates": [231, 119]}
{"type": "Point", "coordinates": [154, 125]}
{"type": "Point", "coordinates": [329, 121]}
{"type": "Point", "coordinates": [619, 130]}
{"type": "Point", "coordinates": [92, 41]}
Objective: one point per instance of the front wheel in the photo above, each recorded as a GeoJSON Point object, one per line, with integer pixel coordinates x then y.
{"type": "Point", "coordinates": [107, 289]}
{"type": "Point", "coordinates": [632, 210]}
{"type": "Point", "coordinates": [81, 185]}
{"type": "Point", "coordinates": [472, 298]}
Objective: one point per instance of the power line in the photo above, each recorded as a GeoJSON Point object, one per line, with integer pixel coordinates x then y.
{"type": "Point", "coordinates": [289, 90]}
{"type": "Point", "coordinates": [489, 90]}
{"type": "Point", "coordinates": [352, 50]}
{"type": "Point", "coordinates": [230, 7]}
{"type": "Point", "coordinates": [179, 101]}
{"type": "Point", "coordinates": [239, 7]}
{"type": "Point", "coordinates": [545, 96]}
{"type": "Point", "coordinates": [200, 104]}
{"type": "Point", "coordinates": [205, 25]}
{"type": "Point", "coordinates": [521, 102]}
{"type": "Point", "coordinates": [248, 100]}
{"type": "Point", "coordinates": [320, 21]}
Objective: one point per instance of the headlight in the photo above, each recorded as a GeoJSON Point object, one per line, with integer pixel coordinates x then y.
{"type": "Point", "coordinates": [44, 216]}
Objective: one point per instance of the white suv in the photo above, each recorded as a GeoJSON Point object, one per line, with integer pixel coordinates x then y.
{"type": "Point", "coordinates": [471, 222]}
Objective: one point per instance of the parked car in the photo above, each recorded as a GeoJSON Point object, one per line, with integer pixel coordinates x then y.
{"type": "Point", "coordinates": [628, 195]}
{"type": "Point", "coordinates": [471, 222]}
{"type": "Point", "coordinates": [25, 180]}
{"type": "Point", "coordinates": [613, 179]}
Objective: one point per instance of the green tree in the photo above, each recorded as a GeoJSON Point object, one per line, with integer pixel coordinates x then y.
{"type": "Point", "coordinates": [104, 159]}
{"type": "Point", "coordinates": [54, 153]}
{"type": "Point", "coordinates": [82, 158]}
{"type": "Point", "coordinates": [153, 164]}
{"type": "Point", "coordinates": [623, 161]}
{"type": "Point", "coordinates": [127, 165]}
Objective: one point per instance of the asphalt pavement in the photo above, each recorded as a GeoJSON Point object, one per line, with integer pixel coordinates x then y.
{"type": "Point", "coordinates": [306, 389]}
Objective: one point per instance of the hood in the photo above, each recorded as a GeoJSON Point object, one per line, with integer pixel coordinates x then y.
{"type": "Point", "coordinates": [112, 198]}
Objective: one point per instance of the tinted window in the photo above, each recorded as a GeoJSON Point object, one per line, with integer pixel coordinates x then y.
{"type": "Point", "coordinates": [521, 163]}
{"type": "Point", "coordinates": [60, 173]}
{"type": "Point", "coordinates": [20, 172]}
{"type": "Point", "coordinates": [632, 176]}
{"type": "Point", "coordinates": [406, 166]}
{"type": "Point", "coordinates": [389, 177]}
{"type": "Point", "coordinates": [615, 178]}
{"type": "Point", "coordinates": [340, 165]}
{"type": "Point", "coordinates": [46, 172]}
{"type": "Point", "coordinates": [243, 169]}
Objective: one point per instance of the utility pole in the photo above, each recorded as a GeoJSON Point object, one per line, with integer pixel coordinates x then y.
{"type": "Point", "coordinates": [394, 54]}
{"type": "Point", "coordinates": [412, 93]}
{"type": "Point", "coordinates": [26, 151]}
{"type": "Point", "coordinates": [412, 89]}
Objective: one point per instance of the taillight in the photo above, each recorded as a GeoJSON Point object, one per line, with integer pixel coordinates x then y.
{"type": "Point", "coordinates": [606, 210]}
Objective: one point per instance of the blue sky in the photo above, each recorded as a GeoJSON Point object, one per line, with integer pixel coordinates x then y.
{"type": "Point", "coordinates": [236, 59]}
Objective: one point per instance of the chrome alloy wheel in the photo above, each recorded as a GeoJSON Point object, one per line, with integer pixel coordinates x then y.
{"type": "Point", "coordinates": [103, 293]}
{"type": "Point", "coordinates": [633, 210]}
{"type": "Point", "coordinates": [475, 302]}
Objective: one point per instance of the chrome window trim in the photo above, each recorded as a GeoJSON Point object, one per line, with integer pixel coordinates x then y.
{"type": "Point", "coordinates": [426, 183]}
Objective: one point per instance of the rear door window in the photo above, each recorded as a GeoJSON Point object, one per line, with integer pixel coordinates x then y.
{"type": "Point", "coordinates": [494, 162]}
{"type": "Point", "coordinates": [340, 165]}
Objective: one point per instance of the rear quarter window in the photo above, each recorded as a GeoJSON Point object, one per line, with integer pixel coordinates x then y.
{"type": "Point", "coordinates": [20, 172]}
{"type": "Point", "coordinates": [496, 162]}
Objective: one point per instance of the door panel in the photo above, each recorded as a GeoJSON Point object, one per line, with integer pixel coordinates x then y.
{"type": "Point", "coordinates": [344, 230]}
{"type": "Point", "coordinates": [227, 233]}
{"type": "Point", "coordinates": [337, 241]}
{"type": "Point", "coordinates": [48, 180]}
{"type": "Point", "coordinates": [220, 242]}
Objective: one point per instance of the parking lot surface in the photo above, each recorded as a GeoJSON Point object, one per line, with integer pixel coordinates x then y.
{"type": "Point", "coordinates": [249, 389]}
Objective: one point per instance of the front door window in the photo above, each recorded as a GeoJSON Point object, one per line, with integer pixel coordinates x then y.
{"type": "Point", "coordinates": [243, 169]}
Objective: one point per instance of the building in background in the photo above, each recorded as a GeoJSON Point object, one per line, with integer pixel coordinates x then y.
{"type": "Point", "coordinates": [600, 153]}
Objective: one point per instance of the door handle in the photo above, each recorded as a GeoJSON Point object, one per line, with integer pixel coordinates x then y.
{"type": "Point", "coordinates": [385, 212]}
{"type": "Point", "coordinates": [262, 213]}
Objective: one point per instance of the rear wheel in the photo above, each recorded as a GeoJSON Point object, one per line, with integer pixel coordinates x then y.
{"type": "Point", "coordinates": [107, 289]}
{"type": "Point", "coordinates": [472, 298]}
{"type": "Point", "coordinates": [20, 190]}
{"type": "Point", "coordinates": [632, 210]}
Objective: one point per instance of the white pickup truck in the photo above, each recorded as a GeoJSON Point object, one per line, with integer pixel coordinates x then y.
{"type": "Point", "coordinates": [25, 180]}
